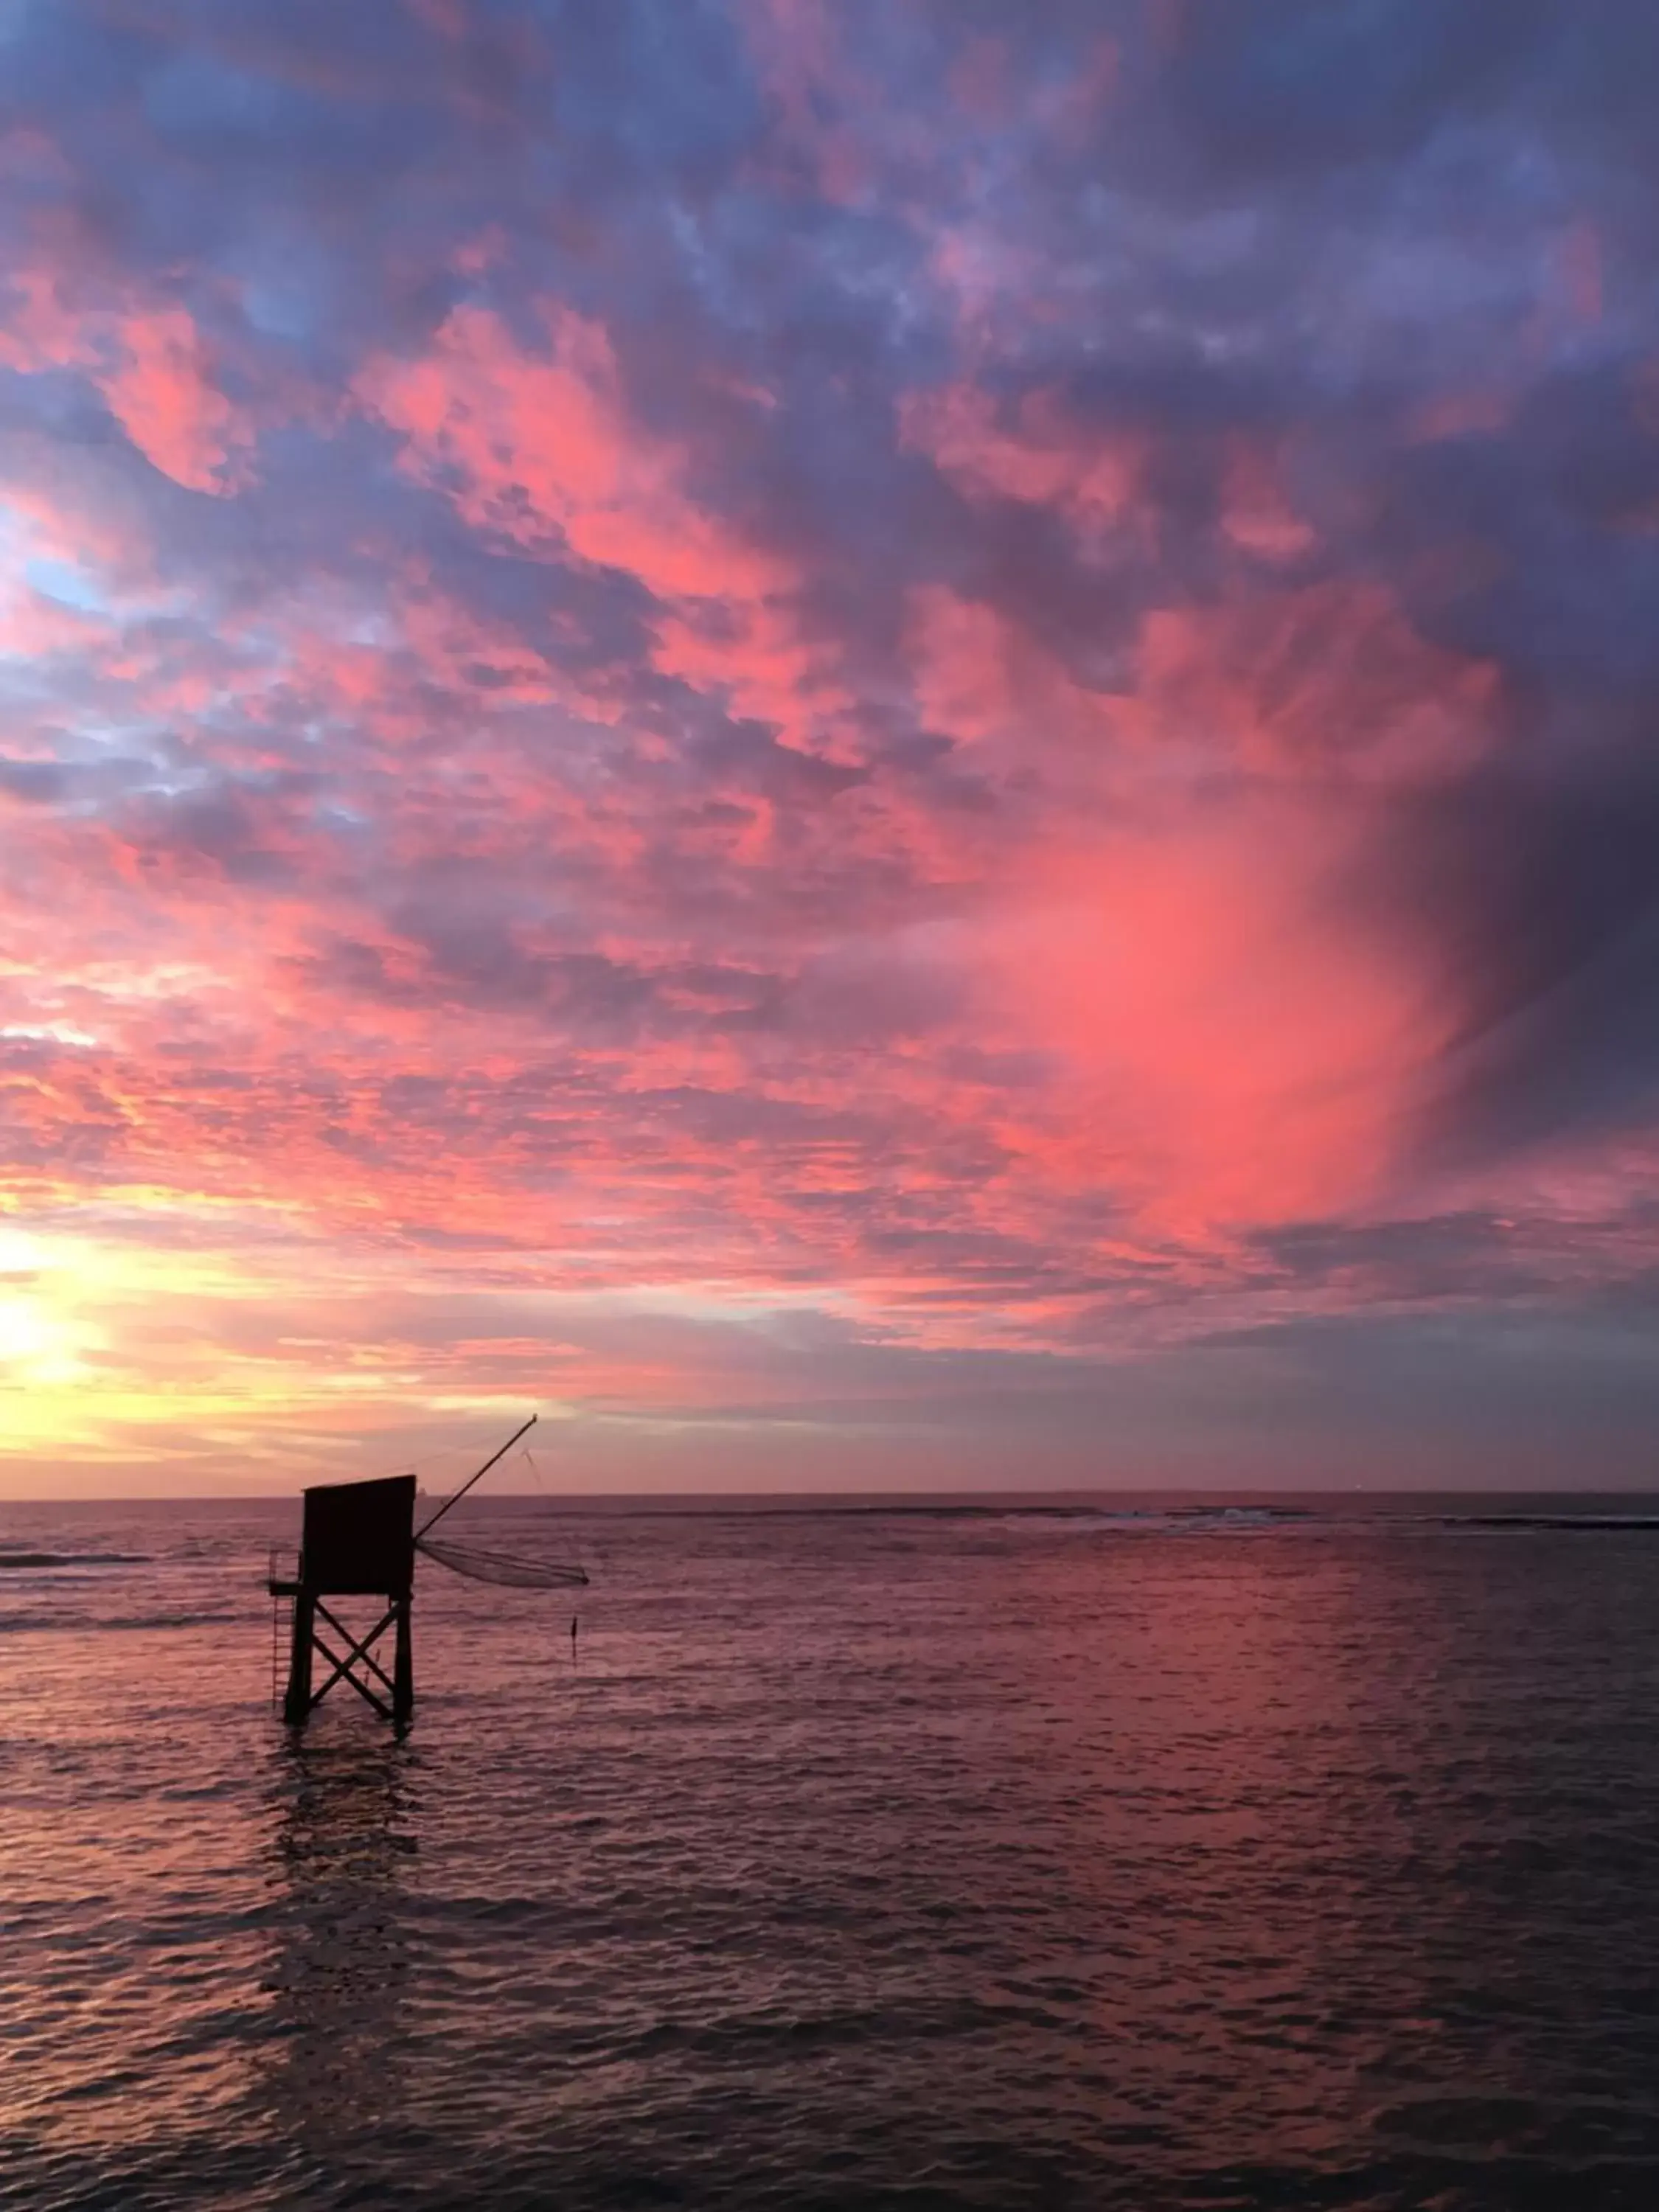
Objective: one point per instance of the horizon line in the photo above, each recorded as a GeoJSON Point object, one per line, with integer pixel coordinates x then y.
{"type": "Point", "coordinates": [875, 1498]}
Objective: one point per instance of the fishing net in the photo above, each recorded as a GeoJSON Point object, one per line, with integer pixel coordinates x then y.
{"type": "Point", "coordinates": [508, 1567]}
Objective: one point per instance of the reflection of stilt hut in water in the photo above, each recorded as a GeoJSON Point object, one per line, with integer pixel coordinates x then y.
{"type": "Point", "coordinates": [342, 1832]}
{"type": "Point", "coordinates": [359, 1540]}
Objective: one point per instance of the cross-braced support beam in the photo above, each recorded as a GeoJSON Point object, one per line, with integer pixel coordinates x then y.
{"type": "Point", "coordinates": [400, 1686]}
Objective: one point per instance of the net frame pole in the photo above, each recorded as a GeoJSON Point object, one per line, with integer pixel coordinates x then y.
{"type": "Point", "coordinates": [479, 1477]}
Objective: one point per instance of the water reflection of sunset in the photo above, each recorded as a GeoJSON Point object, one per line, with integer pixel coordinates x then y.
{"type": "Point", "coordinates": [1179, 1852]}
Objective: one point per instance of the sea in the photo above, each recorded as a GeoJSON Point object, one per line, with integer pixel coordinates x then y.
{"type": "Point", "coordinates": [1080, 1852]}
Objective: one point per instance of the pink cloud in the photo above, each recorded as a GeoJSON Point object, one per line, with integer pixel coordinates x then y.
{"type": "Point", "coordinates": [33, 625]}
{"type": "Point", "coordinates": [542, 444]}
{"type": "Point", "coordinates": [1580, 271]}
{"type": "Point", "coordinates": [1234, 1051]}
{"type": "Point", "coordinates": [1327, 682]}
{"type": "Point", "coordinates": [1258, 513]}
{"type": "Point", "coordinates": [543, 448]}
{"type": "Point", "coordinates": [983, 680]}
{"type": "Point", "coordinates": [1044, 459]}
{"type": "Point", "coordinates": [161, 394]}
{"type": "Point", "coordinates": [823, 106]}
{"type": "Point", "coordinates": [151, 365]}
{"type": "Point", "coordinates": [1478, 411]}
{"type": "Point", "coordinates": [1233, 1042]}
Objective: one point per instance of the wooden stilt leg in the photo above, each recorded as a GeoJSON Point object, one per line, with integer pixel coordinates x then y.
{"type": "Point", "coordinates": [297, 1704]}
{"type": "Point", "coordinates": [403, 1694]}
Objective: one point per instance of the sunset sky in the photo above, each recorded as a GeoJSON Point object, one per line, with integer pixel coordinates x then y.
{"type": "Point", "coordinates": [872, 743]}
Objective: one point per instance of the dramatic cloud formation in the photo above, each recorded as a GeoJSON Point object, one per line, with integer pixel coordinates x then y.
{"type": "Point", "coordinates": [896, 742]}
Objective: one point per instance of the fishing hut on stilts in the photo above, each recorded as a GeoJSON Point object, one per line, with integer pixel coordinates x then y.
{"type": "Point", "coordinates": [359, 1540]}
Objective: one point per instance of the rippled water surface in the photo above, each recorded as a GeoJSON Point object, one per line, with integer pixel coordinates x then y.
{"type": "Point", "coordinates": [921, 1859]}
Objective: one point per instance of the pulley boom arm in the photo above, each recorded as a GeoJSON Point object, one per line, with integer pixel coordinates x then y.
{"type": "Point", "coordinates": [479, 1477]}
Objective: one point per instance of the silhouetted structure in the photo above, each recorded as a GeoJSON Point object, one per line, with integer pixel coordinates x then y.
{"type": "Point", "coordinates": [358, 1540]}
